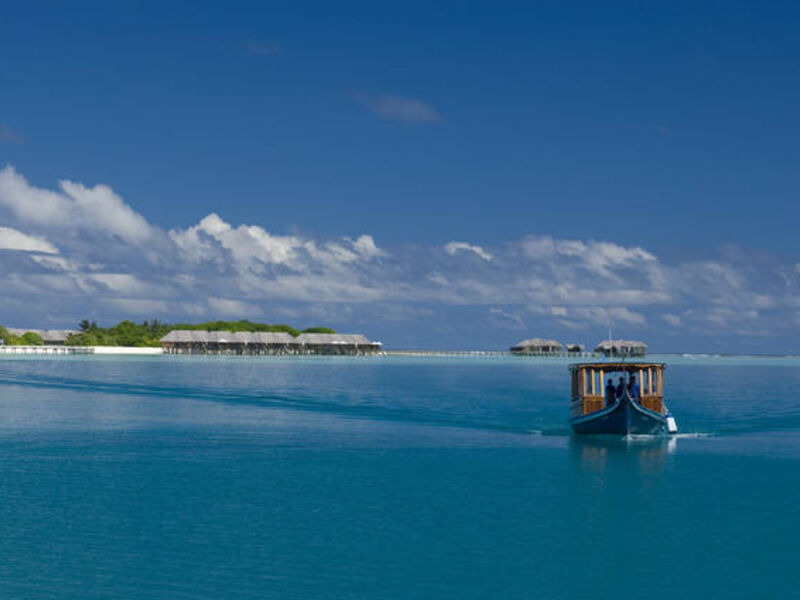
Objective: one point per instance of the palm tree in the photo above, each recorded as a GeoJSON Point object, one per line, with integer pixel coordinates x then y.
{"type": "Point", "coordinates": [86, 325]}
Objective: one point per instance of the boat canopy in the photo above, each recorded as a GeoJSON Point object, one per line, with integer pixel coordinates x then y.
{"type": "Point", "coordinates": [589, 382]}
{"type": "Point", "coordinates": [617, 367]}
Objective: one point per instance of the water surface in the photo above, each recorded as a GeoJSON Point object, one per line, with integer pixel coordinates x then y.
{"type": "Point", "coordinates": [388, 477]}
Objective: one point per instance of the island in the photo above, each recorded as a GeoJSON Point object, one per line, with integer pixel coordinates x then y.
{"type": "Point", "coordinates": [212, 337]}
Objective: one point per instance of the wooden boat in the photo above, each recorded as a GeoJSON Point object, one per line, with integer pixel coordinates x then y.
{"type": "Point", "coordinates": [637, 411]}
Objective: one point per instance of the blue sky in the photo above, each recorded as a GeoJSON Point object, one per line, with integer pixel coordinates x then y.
{"type": "Point", "coordinates": [464, 175]}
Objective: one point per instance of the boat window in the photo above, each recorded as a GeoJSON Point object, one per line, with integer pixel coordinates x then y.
{"type": "Point", "coordinates": [650, 379]}
{"type": "Point", "coordinates": [593, 384]}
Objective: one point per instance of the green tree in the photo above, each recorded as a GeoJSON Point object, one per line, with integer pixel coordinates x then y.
{"type": "Point", "coordinates": [318, 330]}
{"type": "Point", "coordinates": [31, 338]}
{"type": "Point", "coordinates": [149, 333]}
{"type": "Point", "coordinates": [86, 325]}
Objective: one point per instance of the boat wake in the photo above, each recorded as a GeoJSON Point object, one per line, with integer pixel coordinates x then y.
{"type": "Point", "coordinates": [675, 436]}
{"type": "Point", "coordinates": [360, 408]}
{"type": "Point", "coordinates": [638, 437]}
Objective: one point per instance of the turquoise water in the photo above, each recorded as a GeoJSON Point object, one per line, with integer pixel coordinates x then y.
{"type": "Point", "coordinates": [173, 477]}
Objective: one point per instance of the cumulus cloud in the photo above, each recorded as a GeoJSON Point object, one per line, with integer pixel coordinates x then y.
{"type": "Point", "coordinates": [245, 244]}
{"type": "Point", "coordinates": [96, 209]}
{"type": "Point", "coordinates": [397, 108]}
{"type": "Point", "coordinates": [250, 248]}
{"type": "Point", "coordinates": [84, 249]}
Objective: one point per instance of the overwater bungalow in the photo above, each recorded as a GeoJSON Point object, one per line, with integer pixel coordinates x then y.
{"type": "Point", "coordinates": [266, 343]}
{"type": "Point", "coordinates": [621, 348]}
{"type": "Point", "coordinates": [337, 343]}
{"type": "Point", "coordinates": [537, 347]}
{"type": "Point", "coordinates": [574, 348]}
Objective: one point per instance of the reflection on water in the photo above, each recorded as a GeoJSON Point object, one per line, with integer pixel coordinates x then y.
{"type": "Point", "coordinates": [596, 453]}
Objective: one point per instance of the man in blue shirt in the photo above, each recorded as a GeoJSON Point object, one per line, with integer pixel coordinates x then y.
{"type": "Point", "coordinates": [620, 387]}
{"type": "Point", "coordinates": [633, 387]}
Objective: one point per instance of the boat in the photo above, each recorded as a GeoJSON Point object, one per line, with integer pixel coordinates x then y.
{"type": "Point", "coordinates": [635, 409]}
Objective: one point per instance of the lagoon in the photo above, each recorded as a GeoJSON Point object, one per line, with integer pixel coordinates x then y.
{"type": "Point", "coordinates": [388, 477]}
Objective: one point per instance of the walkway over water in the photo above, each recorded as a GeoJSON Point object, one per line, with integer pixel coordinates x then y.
{"type": "Point", "coordinates": [487, 353]}
{"type": "Point", "coordinates": [121, 350]}
{"type": "Point", "coordinates": [52, 350]}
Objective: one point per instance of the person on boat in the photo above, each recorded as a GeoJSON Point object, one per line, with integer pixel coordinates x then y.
{"type": "Point", "coordinates": [611, 392]}
{"type": "Point", "coordinates": [633, 388]}
{"type": "Point", "coordinates": [620, 387]}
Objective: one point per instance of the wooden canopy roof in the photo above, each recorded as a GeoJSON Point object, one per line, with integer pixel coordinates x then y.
{"type": "Point", "coordinates": [617, 366]}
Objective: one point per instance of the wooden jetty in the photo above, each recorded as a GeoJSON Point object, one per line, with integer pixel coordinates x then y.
{"type": "Point", "coordinates": [486, 353]}
{"type": "Point", "coordinates": [46, 350]}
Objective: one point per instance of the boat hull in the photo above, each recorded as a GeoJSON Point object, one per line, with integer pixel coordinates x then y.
{"type": "Point", "coordinates": [624, 417]}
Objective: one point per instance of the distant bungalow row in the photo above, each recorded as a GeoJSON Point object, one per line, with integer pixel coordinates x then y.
{"type": "Point", "coordinates": [185, 341]}
{"type": "Point", "coordinates": [266, 343]}
{"type": "Point", "coordinates": [543, 347]}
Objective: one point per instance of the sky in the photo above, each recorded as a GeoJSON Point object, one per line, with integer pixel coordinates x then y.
{"type": "Point", "coordinates": [434, 175]}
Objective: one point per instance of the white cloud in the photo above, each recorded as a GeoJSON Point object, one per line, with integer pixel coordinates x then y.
{"type": "Point", "coordinates": [30, 204]}
{"type": "Point", "coordinates": [233, 308]}
{"type": "Point", "coordinates": [252, 248]}
{"type": "Point", "coordinates": [454, 248]}
{"type": "Point", "coordinates": [246, 244]}
{"type": "Point", "coordinates": [99, 208]}
{"type": "Point", "coordinates": [96, 209]}
{"type": "Point", "coordinates": [506, 318]}
{"type": "Point", "coordinates": [597, 258]}
{"type": "Point", "coordinates": [54, 263]}
{"type": "Point", "coordinates": [83, 248]}
{"type": "Point", "coordinates": [11, 239]}
{"type": "Point", "coordinates": [596, 315]}
{"type": "Point", "coordinates": [365, 247]}
{"type": "Point", "coordinates": [123, 284]}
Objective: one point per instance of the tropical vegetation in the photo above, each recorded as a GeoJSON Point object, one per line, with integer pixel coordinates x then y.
{"type": "Point", "coordinates": [149, 333]}
{"type": "Point", "coordinates": [29, 338]}
{"type": "Point", "coordinates": [146, 333]}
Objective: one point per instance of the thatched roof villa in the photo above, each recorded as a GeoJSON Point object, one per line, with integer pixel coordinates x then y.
{"type": "Point", "coordinates": [266, 343]}
{"type": "Point", "coordinates": [621, 348]}
{"type": "Point", "coordinates": [538, 347]}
